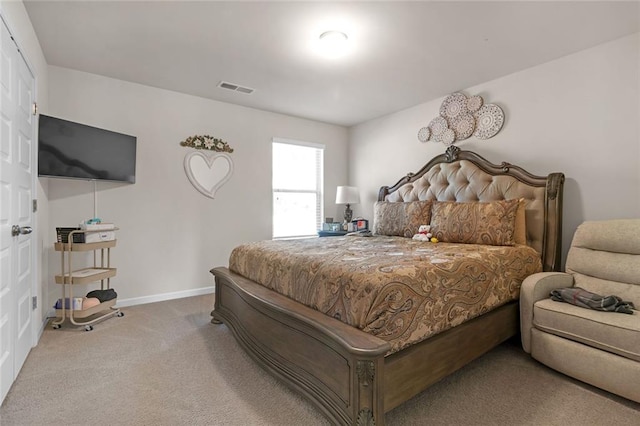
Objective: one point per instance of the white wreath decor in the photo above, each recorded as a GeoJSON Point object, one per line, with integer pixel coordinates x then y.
{"type": "Point", "coordinates": [216, 180]}
{"type": "Point", "coordinates": [210, 174]}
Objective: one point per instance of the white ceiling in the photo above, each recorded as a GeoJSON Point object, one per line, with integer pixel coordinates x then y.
{"type": "Point", "coordinates": [402, 53]}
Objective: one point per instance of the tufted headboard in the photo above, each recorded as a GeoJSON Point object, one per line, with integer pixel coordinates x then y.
{"type": "Point", "coordinates": [461, 176]}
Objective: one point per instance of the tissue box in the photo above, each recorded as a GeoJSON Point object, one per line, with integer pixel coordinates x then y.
{"type": "Point", "coordinates": [97, 237]}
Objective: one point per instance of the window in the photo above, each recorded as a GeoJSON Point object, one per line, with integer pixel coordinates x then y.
{"type": "Point", "coordinates": [297, 188]}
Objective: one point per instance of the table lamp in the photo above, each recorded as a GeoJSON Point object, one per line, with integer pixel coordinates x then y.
{"type": "Point", "coordinates": [347, 195]}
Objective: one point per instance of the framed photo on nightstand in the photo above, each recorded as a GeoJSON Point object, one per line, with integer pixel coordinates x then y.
{"type": "Point", "coordinates": [360, 224]}
{"type": "Point", "coordinates": [332, 226]}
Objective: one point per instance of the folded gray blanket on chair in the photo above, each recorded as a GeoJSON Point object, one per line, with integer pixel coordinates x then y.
{"type": "Point", "coordinates": [583, 298]}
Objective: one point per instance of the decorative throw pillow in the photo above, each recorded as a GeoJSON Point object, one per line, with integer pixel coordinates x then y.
{"type": "Point", "coordinates": [400, 219]}
{"type": "Point", "coordinates": [491, 223]}
{"type": "Point", "coordinates": [520, 233]}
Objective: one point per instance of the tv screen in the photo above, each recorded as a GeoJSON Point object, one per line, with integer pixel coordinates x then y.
{"type": "Point", "coordinates": [77, 151]}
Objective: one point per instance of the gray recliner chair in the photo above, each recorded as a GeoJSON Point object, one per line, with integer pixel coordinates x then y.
{"type": "Point", "coordinates": [596, 347]}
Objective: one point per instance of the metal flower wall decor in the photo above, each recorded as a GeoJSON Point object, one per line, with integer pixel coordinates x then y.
{"type": "Point", "coordinates": [207, 142]}
{"type": "Point", "coordinates": [207, 172]}
{"type": "Point", "coordinates": [461, 117]}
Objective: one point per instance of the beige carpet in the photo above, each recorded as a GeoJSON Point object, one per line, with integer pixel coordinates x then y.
{"type": "Point", "coordinates": [165, 364]}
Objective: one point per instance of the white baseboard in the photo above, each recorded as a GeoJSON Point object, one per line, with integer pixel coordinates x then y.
{"type": "Point", "coordinates": [155, 298]}
{"type": "Point", "coordinates": [164, 296]}
{"type": "Point", "coordinates": [44, 324]}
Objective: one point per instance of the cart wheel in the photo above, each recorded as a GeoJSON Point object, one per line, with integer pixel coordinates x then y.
{"type": "Point", "coordinates": [120, 314]}
{"type": "Point", "coordinates": [88, 327]}
{"type": "Point", "coordinates": [56, 326]}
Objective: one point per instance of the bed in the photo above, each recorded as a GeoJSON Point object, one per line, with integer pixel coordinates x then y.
{"type": "Point", "coordinates": [351, 363]}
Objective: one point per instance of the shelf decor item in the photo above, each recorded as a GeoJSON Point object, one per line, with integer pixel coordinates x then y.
{"type": "Point", "coordinates": [207, 172]}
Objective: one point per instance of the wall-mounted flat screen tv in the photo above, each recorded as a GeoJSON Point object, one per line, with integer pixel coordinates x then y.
{"type": "Point", "coordinates": [77, 151]}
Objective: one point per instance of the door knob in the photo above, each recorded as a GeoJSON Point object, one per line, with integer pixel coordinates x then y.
{"type": "Point", "coordinates": [20, 230]}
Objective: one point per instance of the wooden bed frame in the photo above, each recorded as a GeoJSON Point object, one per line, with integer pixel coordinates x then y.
{"type": "Point", "coordinates": [343, 370]}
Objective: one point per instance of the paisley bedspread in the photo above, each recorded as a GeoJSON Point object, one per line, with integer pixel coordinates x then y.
{"type": "Point", "coordinates": [398, 289]}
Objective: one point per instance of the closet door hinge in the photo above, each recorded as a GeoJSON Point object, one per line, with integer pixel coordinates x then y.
{"type": "Point", "coordinates": [35, 206]}
{"type": "Point", "coordinates": [35, 108]}
{"type": "Point", "coordinates": [34, 300]}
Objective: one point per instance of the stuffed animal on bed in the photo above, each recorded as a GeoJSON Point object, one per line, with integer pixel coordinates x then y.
{"type": "Point", "coordinates": [424, 233]}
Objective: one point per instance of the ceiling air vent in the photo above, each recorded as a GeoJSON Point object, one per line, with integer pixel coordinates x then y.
{"type": "Point", "coordinates": [235, 87]}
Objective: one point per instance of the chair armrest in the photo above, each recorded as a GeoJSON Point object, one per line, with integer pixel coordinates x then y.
{"type": "Point", "coordinates": [537, 287]}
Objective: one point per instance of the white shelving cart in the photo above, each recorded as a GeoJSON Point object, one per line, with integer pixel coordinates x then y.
{"type": "Point", "coordinates": [68, 278]}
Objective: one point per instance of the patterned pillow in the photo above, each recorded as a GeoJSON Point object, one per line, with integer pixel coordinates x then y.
{"type": "Point", "coordinates": [520, 233]}
{"type": "Point", "coordinates": [491, 223]}
{"type": "Point", "coordinates": [400, 219]}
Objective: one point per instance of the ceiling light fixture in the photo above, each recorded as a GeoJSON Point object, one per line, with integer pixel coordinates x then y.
{"type": "Point", "coordinates": [334, 37]}
{"type": "Point", "coordinates": [333, 44]}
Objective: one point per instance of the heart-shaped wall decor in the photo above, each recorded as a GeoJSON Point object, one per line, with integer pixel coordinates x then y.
{"type": "Point", "coordinates": [207, 173]}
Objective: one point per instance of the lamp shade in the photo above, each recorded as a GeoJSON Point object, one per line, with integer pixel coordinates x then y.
{"type": "Point", "coordinates": [347, 195]}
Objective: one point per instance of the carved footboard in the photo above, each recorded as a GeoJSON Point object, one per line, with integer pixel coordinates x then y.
{"type": "Point", "coordinates": [340, 369]}
{"type": "Point", "coordinates": [337, 367]}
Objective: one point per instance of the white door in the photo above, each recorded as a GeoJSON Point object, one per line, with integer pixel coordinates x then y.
{"type": "Point", "coordinates": [16, 217]}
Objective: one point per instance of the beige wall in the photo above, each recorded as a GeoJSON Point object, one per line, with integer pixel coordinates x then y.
{"type": "Point", "coordinates": [571, 115]}
{"type": "Point", "coordinates": [578, 115]}
{"type": "Point", "coordinates": [170, 235]}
